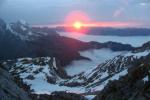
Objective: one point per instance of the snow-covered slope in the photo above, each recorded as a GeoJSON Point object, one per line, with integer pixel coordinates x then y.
{"type": "Point", "coordinates": [39, 73]}
{"type": "Point", "coordinates": [36, 68]}
{"type": "Point", "coordinates": [97, 56]}
{"type": "Point", "coordinates": [20, 29]}
{"type": "Point", "coordinates": [42, 77]}
{"type": "Point", "coordinates": [23, 30]}
{"type": "Point", "coordinates": [95, 79]}
{"type": "Point", "coordinates": [42, 74]}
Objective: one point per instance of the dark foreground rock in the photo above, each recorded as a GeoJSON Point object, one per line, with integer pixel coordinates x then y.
{"type": "Point", "coordinates": [58, 96]}
{"type": "Point", "coordinates": [130, 87]}
{"type": "Point", "coordinates": [8, 89]}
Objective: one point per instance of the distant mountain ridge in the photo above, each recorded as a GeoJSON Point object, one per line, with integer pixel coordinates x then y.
{"type": "Point", "coordinates": [108, 31]}
{"type": "Point", "coordinates": [19, 40]}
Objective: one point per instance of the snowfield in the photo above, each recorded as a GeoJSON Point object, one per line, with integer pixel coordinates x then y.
{"type": "Point", "coordinates": [39, 83]}
{"type": "Point", "coordinates": [132, 40]}
{"type": "Point", "coordinates": [27, 67]}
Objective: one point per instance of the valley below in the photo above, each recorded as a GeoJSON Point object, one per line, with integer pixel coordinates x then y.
{"type": "Point", "coordinates": [135, 41]}
{"type": "Point", "coordinates": [42, 64]}
{"type": "Point", "coordinates": [74, 49]}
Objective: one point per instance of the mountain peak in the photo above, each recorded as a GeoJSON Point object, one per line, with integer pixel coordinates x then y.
{"type": "Point", "coordinates": [22, 22]}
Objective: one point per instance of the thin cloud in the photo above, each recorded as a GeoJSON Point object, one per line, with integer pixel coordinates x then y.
{"type": "Point", "coordinates": [119, 12]}
{"type": "Point", "coordinates": [97, 24]}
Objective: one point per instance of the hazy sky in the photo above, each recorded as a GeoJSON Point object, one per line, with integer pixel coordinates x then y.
{"type": "Point", "coordinates": [55, 11]}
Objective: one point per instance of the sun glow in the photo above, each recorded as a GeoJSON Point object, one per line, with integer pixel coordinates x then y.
{"type": "Point", "coordinates": [77, 25]}
{"type": "Point", "coordinates": [75, 22]}
{"type": "Point", "coordinates": [79, 22]}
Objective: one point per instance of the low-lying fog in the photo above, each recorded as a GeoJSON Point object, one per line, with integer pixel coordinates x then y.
{"type": "Point", "coordinates": [132, 40]}
{"type": "Point", "coordinates": [97, 57]}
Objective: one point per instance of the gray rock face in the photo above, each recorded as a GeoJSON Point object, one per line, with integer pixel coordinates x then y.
{"type": "Point", "coordinates": [8, 89]}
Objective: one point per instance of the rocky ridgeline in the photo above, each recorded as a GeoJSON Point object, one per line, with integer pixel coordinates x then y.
{"type": "Point", "coordinates": [107, 70]}
{"type": "Point", "coordinates": [13, 88]}
{"type": "Point", "coordinates": [133, 86]}
{"type": "Point", "coordinates": [29, 71]}
{"type": "Point", "coordinates": [29, 68]}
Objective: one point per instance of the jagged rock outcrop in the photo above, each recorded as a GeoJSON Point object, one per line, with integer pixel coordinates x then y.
{"type": "Point", "coordinates": [8, 88]}
{"type": "Point", "coordinates": [44, 68]}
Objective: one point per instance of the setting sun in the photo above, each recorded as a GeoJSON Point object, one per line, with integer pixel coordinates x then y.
{"type": "Point", "coordinates": [77, 25]}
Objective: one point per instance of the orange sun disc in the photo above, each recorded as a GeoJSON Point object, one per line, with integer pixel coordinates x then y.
{"type": "Point", "coordinates": [75, 22]}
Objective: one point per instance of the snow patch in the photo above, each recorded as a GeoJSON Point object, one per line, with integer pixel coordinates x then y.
{"type": "Point", "coordinates": [137, 55]}
{"type": "Point", "coordinates": [145, 79]}
{"type": "Point", "coordinates": [23, 22]}
{"type": "Point", "coordinates": [114, 77]}
{"type": "Point", "coordinates": [90, 97]}
{"type": "Point", "coordinates": [54, 63]}
{"type": "Point", "coordinates": [23, 28]}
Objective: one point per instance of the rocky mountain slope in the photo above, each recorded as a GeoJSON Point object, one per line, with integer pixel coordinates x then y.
{"type": "Point", "coordinates": [133, 86]}
{"type": "Point", "coordinates": [53, 78]}
{"type": "Point", "coordinates": [98, 77]}
{"type": "Point", "coordinates": [26, 41]}
{"type": "Point", "coordinates": [9, 90]}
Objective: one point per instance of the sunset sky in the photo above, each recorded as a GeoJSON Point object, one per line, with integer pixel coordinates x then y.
{"type": "Point", "coordinates": [127, 13]}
